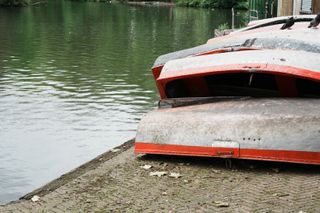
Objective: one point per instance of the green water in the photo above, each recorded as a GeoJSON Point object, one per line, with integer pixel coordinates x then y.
{"type": "Point", "coordinates": [75, 80]}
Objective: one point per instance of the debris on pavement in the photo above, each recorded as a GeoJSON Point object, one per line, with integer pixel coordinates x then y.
{"type": "Point", "coordinates": [35, 198]}
{"type": "Point", "coordinates": [280, 194]}
{"type": "Point", "coordinates": [216, 171]}
{"type": "Point", "coordinates": [219, 203]}
{"type": "Point", "coordinates": [157, 173]}
{"type": "Point", "coordinates": [163, 164]}
{"type": "Point", "coordinates": [115, 150]}
{"type": "Point", "coordinates": [175, 175]}
{"type": "Point", "coordinates": [146, 167]}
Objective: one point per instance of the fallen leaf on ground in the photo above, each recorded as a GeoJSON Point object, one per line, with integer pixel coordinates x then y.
{"type": "Point", "coordinates": [174, 175]}
{"type": "Point", "coordinates": [146, 167]}
{"type": "Point", "coordinates": [115, 150]}
{"type": "Point", "coordinates": [157, 173]}
{"type": "Point", "coordinates": [220, 204]}
{"type": "Point", "coordinates": [35, 198]}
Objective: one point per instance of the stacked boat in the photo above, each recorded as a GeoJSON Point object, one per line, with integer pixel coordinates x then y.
{"type": "Point", "coordinates": [252, 94]}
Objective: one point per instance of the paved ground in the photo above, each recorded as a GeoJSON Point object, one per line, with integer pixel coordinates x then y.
{"type": "Point", "coordinates": [115, 182]}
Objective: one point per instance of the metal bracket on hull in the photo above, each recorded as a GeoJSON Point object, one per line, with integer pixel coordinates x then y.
{"type": "Point", "coordinates": [226, 149]}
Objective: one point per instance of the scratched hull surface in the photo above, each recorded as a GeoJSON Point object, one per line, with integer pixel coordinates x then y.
{"type": "Point", "coordinates": [273, 124]}
{"type": "Point", "coordinates": [287, 129]}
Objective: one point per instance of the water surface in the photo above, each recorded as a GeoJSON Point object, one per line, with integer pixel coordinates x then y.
{"type": "Point", "coordinates": [75, 80]}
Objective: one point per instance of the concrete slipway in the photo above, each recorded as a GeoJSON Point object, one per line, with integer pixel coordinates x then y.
{"type": "Point", "coordinates": [116, 182]}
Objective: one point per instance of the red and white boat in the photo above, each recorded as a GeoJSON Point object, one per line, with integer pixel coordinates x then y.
{"type": "Point", "coordinates": [253, 94]}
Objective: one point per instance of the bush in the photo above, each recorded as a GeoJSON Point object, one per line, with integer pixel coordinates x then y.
{"type": "Point", "coordinates": [237, 4]}
{"type": "Point", "coordinates": [14, 3]}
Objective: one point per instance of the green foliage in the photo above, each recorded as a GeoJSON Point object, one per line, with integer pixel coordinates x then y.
{"type": "Point", "coordinates": [14, 3]}
{"type": "Point", "coordinates": [223, 26]}
{"type": "Point", "coordinates": [237, 4]}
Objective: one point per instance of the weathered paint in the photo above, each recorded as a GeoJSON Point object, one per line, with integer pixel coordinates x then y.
{"type": "Point", "coordinates": [299, 31]}
{"type": "Point", "coordinates": [262, 58]}
{"type": "Point", "coordinates": [281, 62]}
{"type": "Point", "coordinates": [256, 37]}
{"type": "Point", "coordinates": [252, 124]}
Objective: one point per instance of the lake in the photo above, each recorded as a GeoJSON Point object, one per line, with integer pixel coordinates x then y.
{"type": "Point", "coordinates": [75, 79]}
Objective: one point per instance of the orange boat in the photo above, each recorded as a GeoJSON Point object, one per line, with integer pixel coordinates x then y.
{"type": "Point", "coordinates": [253, 94]}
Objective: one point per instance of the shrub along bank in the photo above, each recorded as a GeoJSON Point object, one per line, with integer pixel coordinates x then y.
{"type": "Point", "coordinates": [237, 4]}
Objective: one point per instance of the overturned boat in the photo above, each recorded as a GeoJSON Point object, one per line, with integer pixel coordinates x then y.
{"type": "Point", "coordinates": [253, 94]}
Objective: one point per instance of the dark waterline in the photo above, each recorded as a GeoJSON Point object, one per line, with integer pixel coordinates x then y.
{"type": "Point", "coordinates": [75, 79]}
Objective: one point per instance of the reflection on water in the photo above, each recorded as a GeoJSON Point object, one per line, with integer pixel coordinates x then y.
{"type": "Point", "coordinates": [75, 79]}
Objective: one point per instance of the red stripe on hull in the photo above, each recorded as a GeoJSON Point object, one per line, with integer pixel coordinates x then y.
{"type": "Point", "coordinates": [255, 154]}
